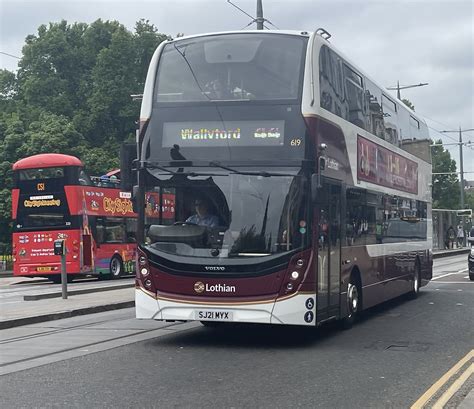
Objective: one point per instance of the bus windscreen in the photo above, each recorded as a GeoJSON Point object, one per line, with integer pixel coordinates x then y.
{"type": "Point", "coordinates": [231, 67]}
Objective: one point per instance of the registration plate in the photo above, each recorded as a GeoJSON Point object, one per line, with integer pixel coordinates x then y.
{"type": "Point", "coordinates": [213, 315]}
{"type": "Point", "coordinates": [44, 269]}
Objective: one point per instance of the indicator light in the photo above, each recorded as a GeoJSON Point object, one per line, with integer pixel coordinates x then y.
{"type": "Point", "coordinates": [289, 286]}
{"type": "Point", "coordinates": [142, 260]}
{"type": "Point", "coordinates": [300, 262]}
{"type": "Point", "coordinates": [147, 283]}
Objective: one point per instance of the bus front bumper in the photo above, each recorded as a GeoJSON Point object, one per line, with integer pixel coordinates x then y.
{"type": "Point", "coordinates": [296, 310]}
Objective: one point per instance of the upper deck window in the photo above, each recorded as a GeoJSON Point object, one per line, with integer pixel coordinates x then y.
{"type": "Point", "coordinates": [40, 173]}
{"type": "Point", "coordinates": [231, 67]}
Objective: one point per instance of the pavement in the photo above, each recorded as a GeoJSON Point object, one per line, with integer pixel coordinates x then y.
{"type": "Point", "coordinates": [47, 306]}
{"type": "Point", "coordinates": [19, 313]}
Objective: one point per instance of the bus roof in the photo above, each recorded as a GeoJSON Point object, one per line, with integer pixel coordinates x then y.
{"type": "Point", "coordinates": [284, 32]}
{"type": "Point", "coordinates": [47, 160]}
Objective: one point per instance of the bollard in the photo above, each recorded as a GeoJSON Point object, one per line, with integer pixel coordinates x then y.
{"type": "Point", "coordinates": [60, 250]}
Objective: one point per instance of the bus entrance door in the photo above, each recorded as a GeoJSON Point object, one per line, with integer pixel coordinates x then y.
{"type": "Point", "coordinates": [86, 252]}
{"type": "Point", "coordinates": [329, 251]}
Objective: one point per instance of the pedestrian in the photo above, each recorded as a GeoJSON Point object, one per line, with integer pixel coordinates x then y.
{"type": "Point", "coordinates": [460, 236]}
{"type": "Point", "coordinates": [450, 237]}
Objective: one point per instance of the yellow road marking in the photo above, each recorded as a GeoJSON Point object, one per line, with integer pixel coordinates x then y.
{"type": "Point", "coordinates": [454, 388]}
{"type": "Point", "coordinates": [423, 400]}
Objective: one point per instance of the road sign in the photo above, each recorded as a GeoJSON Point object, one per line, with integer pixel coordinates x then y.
{"type": "Point", "coordinates": [464, 212]}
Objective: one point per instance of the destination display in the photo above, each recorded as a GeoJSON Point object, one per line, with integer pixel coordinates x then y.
{"type": "Point", "coordinates": [381, 166]}
{"type": "Point", "coordinates": [222, 134]}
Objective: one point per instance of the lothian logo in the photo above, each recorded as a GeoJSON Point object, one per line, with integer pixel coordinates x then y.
{"type": "Point", "coordinates": [200, 287]}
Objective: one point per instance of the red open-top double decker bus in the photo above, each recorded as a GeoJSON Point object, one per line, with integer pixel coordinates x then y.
{"type": "Point", "coordinates": [53, 198]}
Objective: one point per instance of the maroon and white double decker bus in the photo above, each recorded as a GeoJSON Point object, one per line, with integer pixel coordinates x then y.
{"type": "Point", "coordinates": [53, 198]}
{"type": "Point", "coordinates": [300, 186]}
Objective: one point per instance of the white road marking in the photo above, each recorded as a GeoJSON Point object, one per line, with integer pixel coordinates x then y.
{"type": "Point", "coordinates": [444, 275]}
{"type": "Point", "coordinates": [455, 282]}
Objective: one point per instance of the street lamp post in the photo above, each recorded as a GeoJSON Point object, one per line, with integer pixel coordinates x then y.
{"type": "Point", "coordinates": [461, 164]}
{"type": "Point", "coordinates": [399, 87]}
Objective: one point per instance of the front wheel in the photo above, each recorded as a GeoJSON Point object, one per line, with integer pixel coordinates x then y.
{"type": "Point", "coordinates": [56, 279]}
{"type": "Point", "coordinates": [116, 267]}
{"type": "Point", "coordinates": [353, 300]}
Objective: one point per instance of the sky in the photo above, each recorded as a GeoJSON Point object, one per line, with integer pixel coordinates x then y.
{"type": "Point", "coordinates": [410, 41]}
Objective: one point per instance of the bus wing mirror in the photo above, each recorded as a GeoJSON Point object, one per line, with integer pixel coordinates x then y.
{"type": "Point", "coordinates": [128, 174]}
{"type": "Point", "coordinates": [134, 198]}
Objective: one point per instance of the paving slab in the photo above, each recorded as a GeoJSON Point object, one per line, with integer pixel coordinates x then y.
{"type": "Point", "coordinates": [22, 312]}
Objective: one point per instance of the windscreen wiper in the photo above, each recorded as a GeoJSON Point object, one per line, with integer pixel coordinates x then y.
{"type": "Point", "coordinates": [150, 165]}
{"type": "Point", "coordinates": [262, 173]}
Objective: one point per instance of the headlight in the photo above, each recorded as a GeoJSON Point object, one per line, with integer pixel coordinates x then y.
{"type": "Point", "coordinates": [294, 275]}
{"type": "Point", "coordinates": [472, 251]}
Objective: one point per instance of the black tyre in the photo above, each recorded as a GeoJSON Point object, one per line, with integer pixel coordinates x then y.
{"type": "Point", "coordinates": [471, 276]}
{"type": "Point", "coordinates": [56, 279]}
{"type": "Point", "coordinates": [354, 303]}
{"type": "Point", "coordinates": [116, 267]}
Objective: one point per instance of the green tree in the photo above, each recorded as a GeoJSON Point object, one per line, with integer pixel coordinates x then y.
{"type": "Point", "coordinates": [469, 199]}
{"type": "Point", "coordinates": [72, 95]}
{"type": "Point", "coordinates": [446, 193]}
{"type": "Point", "coordinates": [408, 103]}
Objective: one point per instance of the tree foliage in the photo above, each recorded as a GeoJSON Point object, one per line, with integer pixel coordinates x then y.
{"type": "Point", "coordinates": [71, 95]}
{"type": "Point", "coordinates": [408, 103]}
{"type": "Point", "coordinates": [446, 190]}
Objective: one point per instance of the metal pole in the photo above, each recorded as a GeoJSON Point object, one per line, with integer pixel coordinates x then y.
{"type": "Point", "coordinates": [63, 277]}
{"type": "Point", "coordinates": [461, 168]}
{"type": "Point", "coordinates": [259, 18]}
{"type": "Point", "coordinates": [398, 90]}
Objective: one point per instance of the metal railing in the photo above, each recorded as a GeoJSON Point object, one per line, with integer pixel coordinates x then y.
{"type": "Point", "coordinates": [6, 262]}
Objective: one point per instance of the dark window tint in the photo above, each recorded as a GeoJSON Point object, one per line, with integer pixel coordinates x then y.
{"type": "Point", "coordinates": [115, 230]}
{"type": "Point", "coordinates": [354, 96]}
{"type": "Point", "coordinates": [376, 218]}
{"type": "Point", "coordinates": [374, 117]}
{"type": "Point", "coordinates": [360, 217]}
{"type": "Point", "coordinates": [45, 220]}
{"type": "Point", "coordinates": [40, 173]}
{"type": "Point", "coordinates": [360, 101]}
{"type": "Point", "coordinates": [331, 83]}
{"type": "Point", "coordinates": [235, 215]}
{"type": "Point", "coordinates": [390, 115]}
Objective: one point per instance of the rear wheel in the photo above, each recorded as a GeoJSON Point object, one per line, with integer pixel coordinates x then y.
{"type": "Point", "coordinates": [116, 267]}
{"type": "Point", "coordinates": [353, 300]}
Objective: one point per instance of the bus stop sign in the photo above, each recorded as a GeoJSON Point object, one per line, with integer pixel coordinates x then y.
{"type": "Point", "coordinates": [59, 248]}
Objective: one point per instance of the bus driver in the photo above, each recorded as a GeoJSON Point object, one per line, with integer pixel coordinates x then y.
{"type": "Point", "coordinates": [202, 217]}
